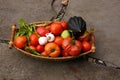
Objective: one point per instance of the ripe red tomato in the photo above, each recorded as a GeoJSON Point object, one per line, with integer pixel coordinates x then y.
{"type": "Point", "coordinates": [74, 51]}
{"type": "Point", "coordinates": [64, 24]}
{"type": "Point", "coordinates": [44, 54]}
{"type": "Point", "coordinates": [64, 53]}
{"type": "Point", "coordinates": [85, 36]}
{"type": "Point", "coordinates": [20, 42]}
{"type": "Point", "coordinates": [32, 47]}
{"type": "Point", "coordinates": [42, 31]}
{"type": "Point", "coordinates": [40, 48]}
{"type": "Point", "coordinates": [34, 40]}
{"type": "Point", "coordinates": [73, 47]}
{"type": "Point", "coordinates": [58, 40]}
{"type": "Point", "coordinates": [56, 28]}
{"type": "Point", "coordinates": [52, 49]}
{"type": "Point", "coordinates": [86, 46]}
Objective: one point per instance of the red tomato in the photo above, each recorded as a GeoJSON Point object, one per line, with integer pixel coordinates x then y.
{"type": "Point", "coordinates": [85, 36]}
{"type": "Point", "coordinates": [44, 54]}
{"type": "Point", "coordinates": [74, 51]}
{"type": "Point", "coordinates": [64, 24]}
{"type": "Point", "coordinates": [40, 48]}
{"type": "Point", "coordinates": [56, 28]}
{"type": "Point", "coordinates": [65, 54]}
{"type": "Point", "coordinates": [34, 40]}
{"type": "Point", "coordinates": [58, 40]}
{"type": "Point", "coordinates": [52, 49]}
{"type": "Point", "coordinates": [73, 47]}
{"type": "Point", "coordinates": [20, 42]}
{"type": "Point", "coordinates": [86, 46]}
{"type": "Point", "coordinates": [32, 47]}
{"type": "Point", "coordinates": [42, 31]}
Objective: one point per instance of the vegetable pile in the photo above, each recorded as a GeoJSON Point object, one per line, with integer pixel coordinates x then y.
{"type": "Point", "coordinates": [58, 39]}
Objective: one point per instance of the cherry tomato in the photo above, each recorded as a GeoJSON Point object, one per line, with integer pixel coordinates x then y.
{"type": "Point", "coordinates": [20, 42]}
{"type": "Point", "coordinates": [52, 49]}
{"type": "Point", "coordinates": [40, 48]}
{"type": "Point", "coordinates": [85, 36]}
{"type": "Point", "coordinates": [86, 46]}
{"type": "Point", "coordinates": [73, 47]}
{"type": "Point", "coordinates": [58, 40]}
{"type": "Point", "coordinates": [44, 54]}
{"type": "Point", "coordinates": [32, 47]}
{"type": "Point", "coordinates": [34, 40]}
{"type": "Point", "coordinates": [64, 24]}
{"type": "Point", "coordinates": [56, 28]}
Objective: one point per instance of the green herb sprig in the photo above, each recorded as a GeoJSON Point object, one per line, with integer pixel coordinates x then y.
{"type": "Point", "coordinates": [25, 29]}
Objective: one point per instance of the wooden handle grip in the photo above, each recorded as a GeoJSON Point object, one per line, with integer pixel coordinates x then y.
{"type": "Point", "coordinates": [64, 2]}
{"type": "Point", "coordinates": [93, 48]}
{"type": "Point", "coordinates": [12, 36]}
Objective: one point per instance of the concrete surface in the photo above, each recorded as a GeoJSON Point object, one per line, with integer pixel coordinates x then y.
{"type": "Point", "coordinates": [104, 15]}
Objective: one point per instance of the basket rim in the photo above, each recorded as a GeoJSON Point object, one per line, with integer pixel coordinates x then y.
{"type": "Point", "coordinates": [51, 58]}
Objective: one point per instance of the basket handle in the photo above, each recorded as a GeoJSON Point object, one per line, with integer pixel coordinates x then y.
{"type": "Point", "coordinates": [61, 13]}
{"type": "Point", "coordinates": [93, 48]}
{"type": "Point", "coordinates": [64, 2]}
{"type": "Point", "coordinates": [12, 36]}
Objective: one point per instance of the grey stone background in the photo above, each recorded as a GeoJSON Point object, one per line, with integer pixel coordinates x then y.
{"type": "Point", "coordinates": [104, 15]}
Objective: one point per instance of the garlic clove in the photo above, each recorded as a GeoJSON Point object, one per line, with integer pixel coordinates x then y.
{"type": "Point", "coordinates": [50, 37]}
{"type": "Point", "coordinates": [42, 40]}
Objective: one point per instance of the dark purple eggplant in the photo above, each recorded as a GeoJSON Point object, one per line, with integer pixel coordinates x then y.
{"type": "Point", "coordinates": [77, 25]}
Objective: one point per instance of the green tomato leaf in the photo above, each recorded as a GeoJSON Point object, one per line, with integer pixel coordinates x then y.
{"type": "Point", "coordinates": [25, 29]}
{"type": "Point", "coordinates": [22, 22]}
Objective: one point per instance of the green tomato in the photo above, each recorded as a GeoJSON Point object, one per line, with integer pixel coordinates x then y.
{"type": "Point", "coordinates": [65, 34]}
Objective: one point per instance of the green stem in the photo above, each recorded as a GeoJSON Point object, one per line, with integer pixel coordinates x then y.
{"type": "Point", "coordinates": [73, 37]}
{"type": "Point", "coordinates": [32, 51]}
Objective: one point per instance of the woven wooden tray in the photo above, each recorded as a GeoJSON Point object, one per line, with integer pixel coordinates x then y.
{"type": "Point", "coordinates": [44, 23]}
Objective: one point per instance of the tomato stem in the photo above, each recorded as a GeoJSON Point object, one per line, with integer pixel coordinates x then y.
{"type": "Point", "coordinates": [52, 50]}
{"type": "Point", "coordinates": [73, 37]}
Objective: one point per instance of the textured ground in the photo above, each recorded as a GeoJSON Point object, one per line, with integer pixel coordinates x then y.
{"type": "Point", "coordinates": [104, 15]}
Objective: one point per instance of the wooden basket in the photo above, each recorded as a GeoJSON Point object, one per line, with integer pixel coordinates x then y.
{"type": "Point", "coordinates": [44, 23]}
